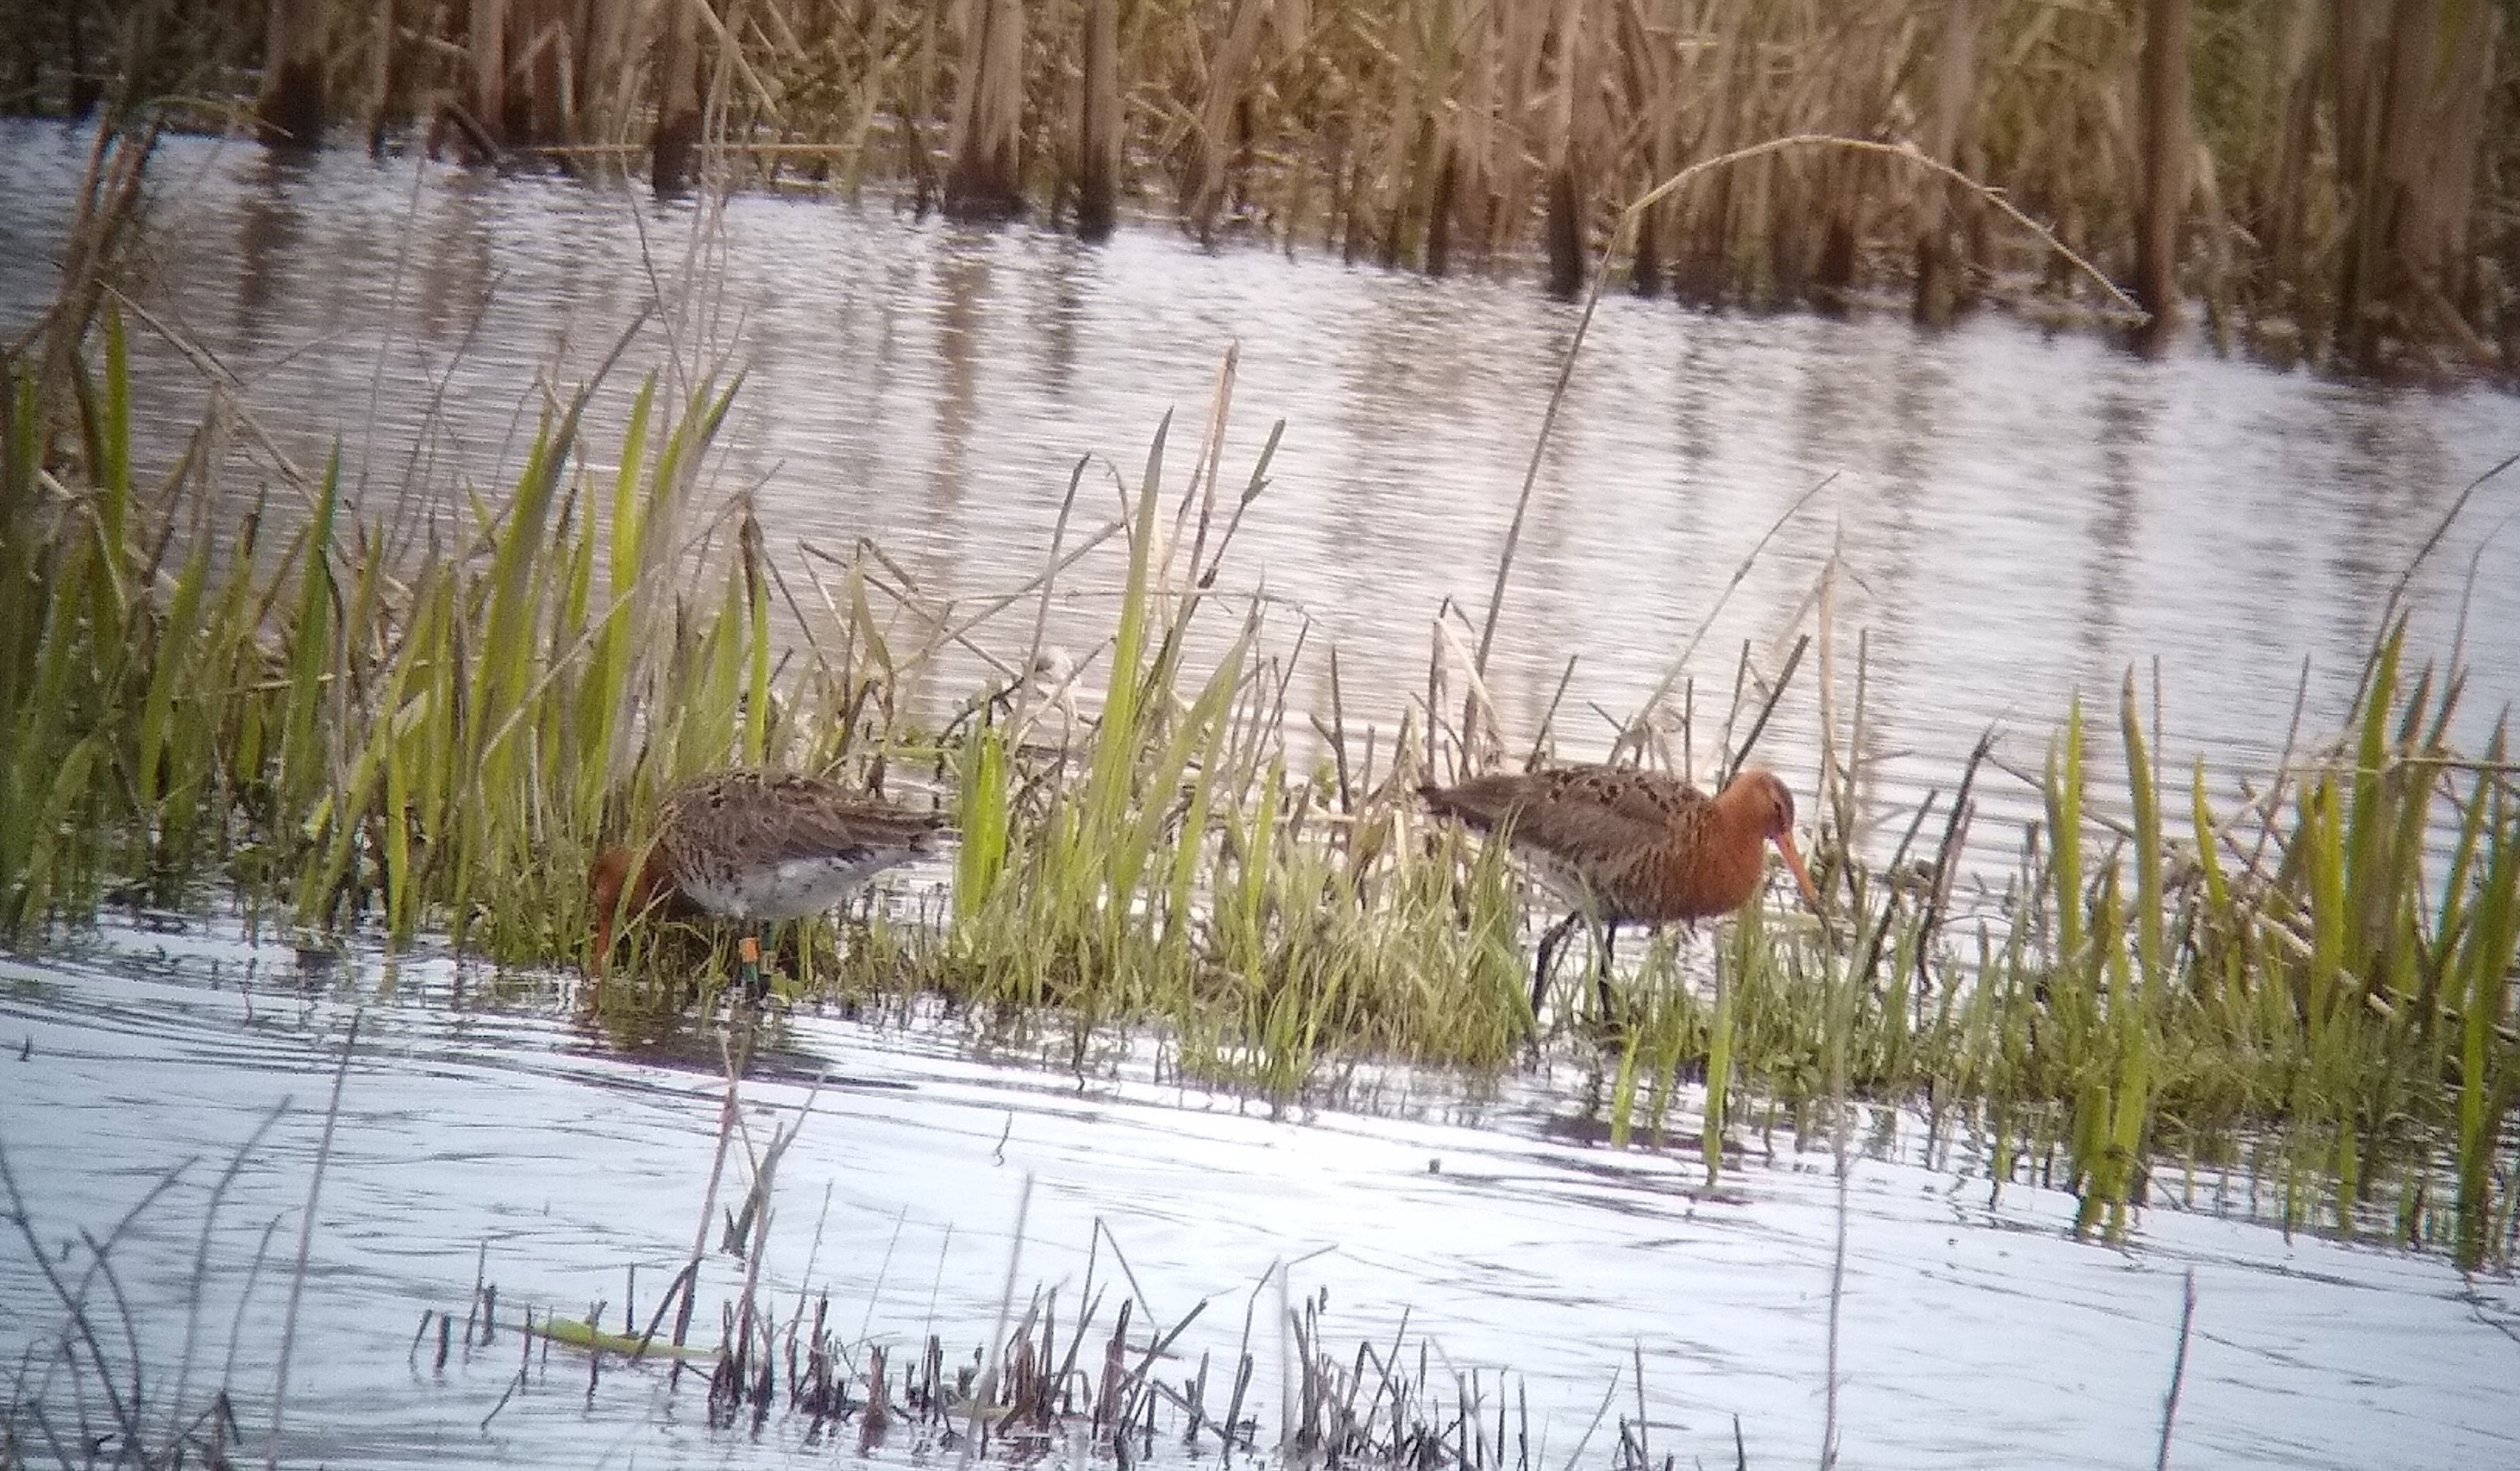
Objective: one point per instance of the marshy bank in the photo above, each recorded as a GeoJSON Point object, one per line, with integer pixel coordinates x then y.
{"type": "Point", "coordinates": [2329, 179]}
{"type": "Point", "coordinates": [397, 708]}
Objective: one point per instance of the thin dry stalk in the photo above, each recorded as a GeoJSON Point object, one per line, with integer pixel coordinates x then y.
{"type": "Point", "coordinates": [2177, 1369]}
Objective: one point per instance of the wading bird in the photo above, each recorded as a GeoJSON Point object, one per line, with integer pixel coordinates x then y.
{"type": "Point", "coordinates": [754, 848]}
{"type": "Point", "coordinates": [1632, 847]}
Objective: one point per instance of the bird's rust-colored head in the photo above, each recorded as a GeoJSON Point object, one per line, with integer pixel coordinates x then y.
{"type": "Point", "coordinates": [607, 879]}
{"type": "Point", "coordinates": [1762, 797]}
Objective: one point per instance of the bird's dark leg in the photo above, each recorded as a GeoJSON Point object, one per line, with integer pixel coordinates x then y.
{"type": "Point", "coordinates": [1607, 935]}
{"type": "Point", "coordinates": [1549, 943]}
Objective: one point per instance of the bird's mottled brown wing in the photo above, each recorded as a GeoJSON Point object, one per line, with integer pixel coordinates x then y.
{"type": "Point", "coordinates": [770, 818]}
{"type": "Point", "coordinates": [1604, 819]}
{"type": "Point", "coordinates": [1591, 815]}
{"type": "Point", "coordinates": [866, 823]}
{"type": "Point", "coordinates": [1597, 834]}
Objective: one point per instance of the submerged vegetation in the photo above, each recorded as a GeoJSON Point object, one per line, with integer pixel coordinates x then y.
{"type": "Point", "coordinates": [108, 1376]}
{"type": "Point", "coordinates": [2329, 177]}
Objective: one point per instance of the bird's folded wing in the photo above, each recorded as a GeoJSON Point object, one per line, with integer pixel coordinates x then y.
{"type": "Point", "coordinates": [1600, 815]}
{"type": "Point", "coordinates": [868, 829]}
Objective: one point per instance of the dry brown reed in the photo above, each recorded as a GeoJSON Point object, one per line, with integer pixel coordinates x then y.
{"type": "Point", "coordinates": [2163, 94]}
{"type": "Point", "coordinates": [291, 108]}
{"type": "Point", "coordinates": [986, 180]}
{"type": "Point", "coordinates": [678, 103]}
{"type": "Point", "coordinates": [2329, 175]}
{"type": "Point", "coordinates": [1098, 134]}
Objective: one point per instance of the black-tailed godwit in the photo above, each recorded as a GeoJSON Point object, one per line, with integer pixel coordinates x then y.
{"type": "Point", "coordinates": [1632, 847]}
{"type": "Point", "coordinates": [754, 848]}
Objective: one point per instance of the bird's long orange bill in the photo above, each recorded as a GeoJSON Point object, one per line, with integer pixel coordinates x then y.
{"type": "Point", "coordinates": [1785, 845]}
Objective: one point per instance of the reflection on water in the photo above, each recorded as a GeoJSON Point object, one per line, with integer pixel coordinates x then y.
{"type": "Point", "coordinates": [2014, 514]}
{"type": "Point", "coordinates": [495, 1138]}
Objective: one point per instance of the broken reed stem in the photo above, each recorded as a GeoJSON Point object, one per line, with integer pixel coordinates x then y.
{"type": "Point", "coordinates": [1768, 707]}
{"type": "Point", "coordinates": [983, 1394]}
{"type": "Point", "coordinates": [734, 1049]}
{"type": "Point", "coordinates": [1947, 860]}
{"type": "Point", "coordinates": [1903, 150]}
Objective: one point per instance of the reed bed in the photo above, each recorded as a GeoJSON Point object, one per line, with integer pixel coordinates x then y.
{"type": "Point", "coordinates": [2330, 178]}
{"type": "Point", "coordinates": [1041, 1379]}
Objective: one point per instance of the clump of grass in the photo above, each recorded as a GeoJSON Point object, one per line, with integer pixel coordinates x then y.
{"type": "Point", "coordinates": [438, 739]}
{"type": "Point", "coordinates": [2333, 962]}
{"type": "Point", "coordinates": [1185, 876]}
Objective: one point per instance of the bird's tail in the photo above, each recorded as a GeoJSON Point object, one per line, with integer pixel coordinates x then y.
{"type": "Point", "coordinates": [1474, 802]}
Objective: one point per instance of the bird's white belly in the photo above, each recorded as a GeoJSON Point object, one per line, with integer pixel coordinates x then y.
{"type": "Point", "coordinates": [1561, 880]}
{"type": "Point", "coordinates": [788, 890]}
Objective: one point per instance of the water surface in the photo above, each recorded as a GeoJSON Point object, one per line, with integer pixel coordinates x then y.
{"type": "Point", "coordinates": [2014, 514]}
{"type": "Point", "coordinates": [489, 1135]}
